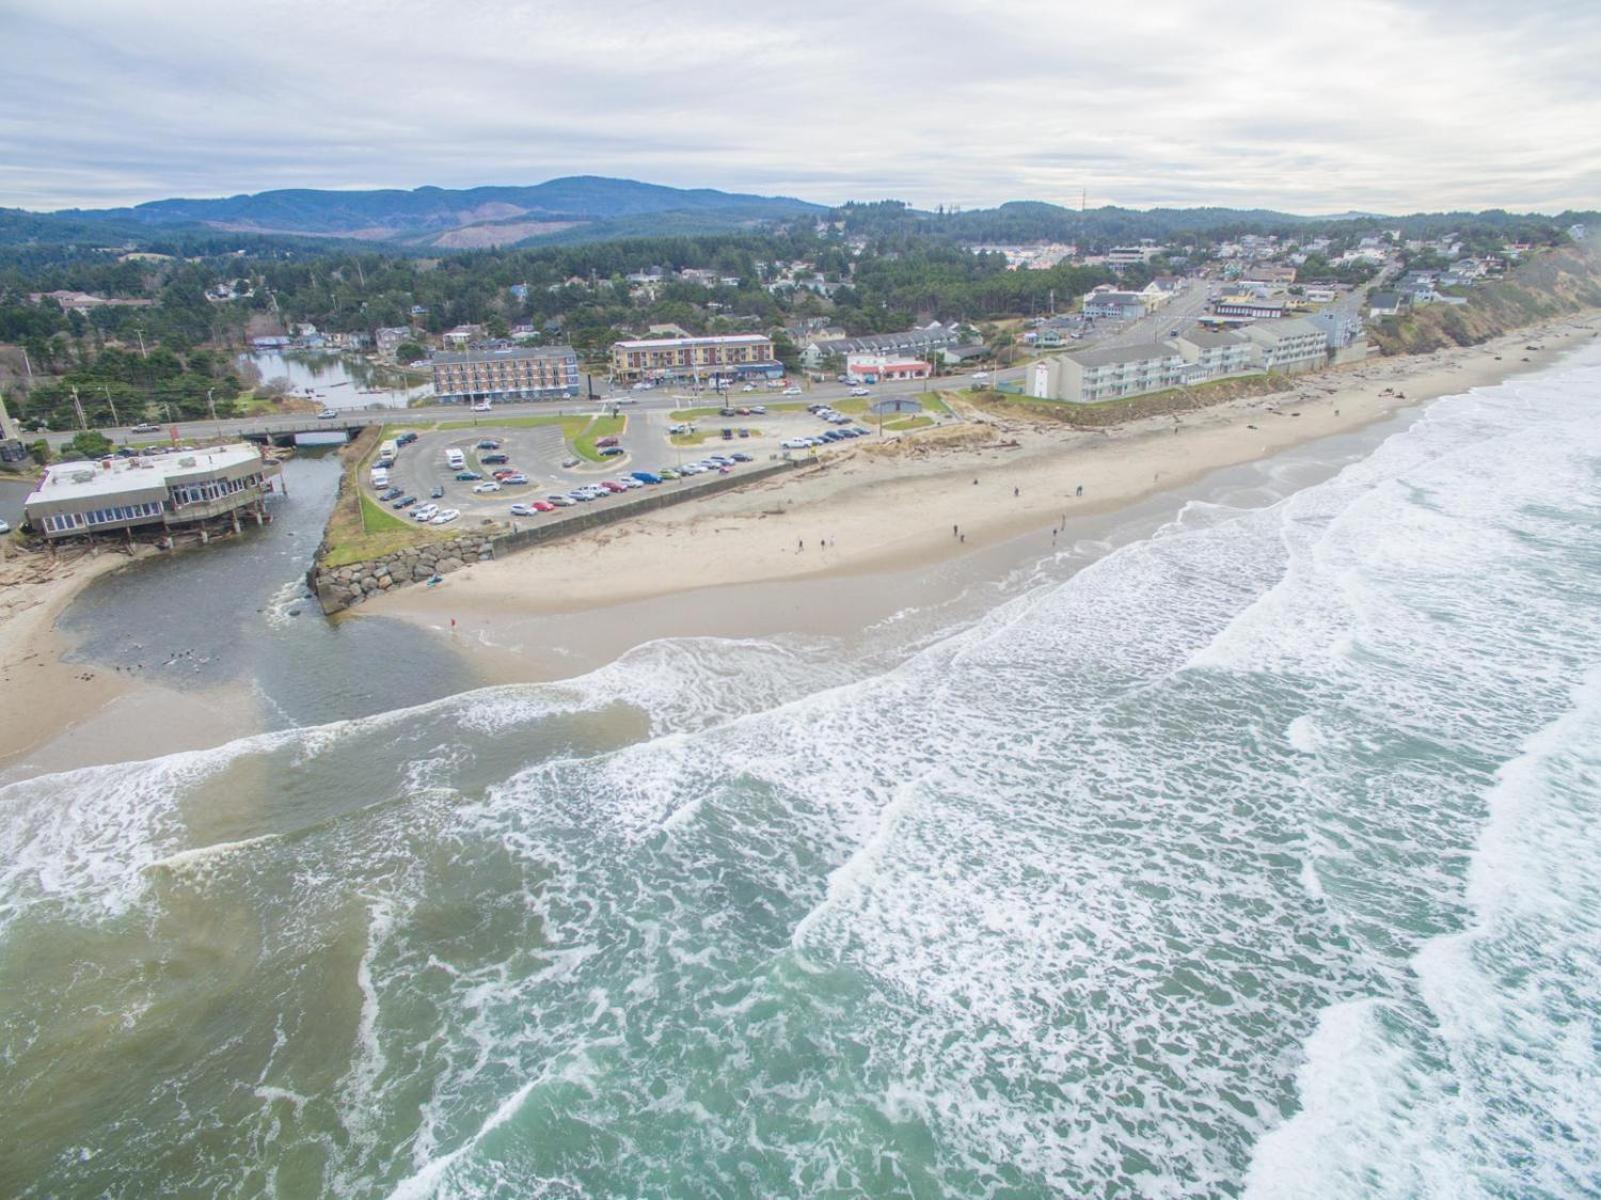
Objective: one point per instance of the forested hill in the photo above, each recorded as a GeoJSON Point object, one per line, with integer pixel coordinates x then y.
{"type": "Point", "coordinates": [455, 219]}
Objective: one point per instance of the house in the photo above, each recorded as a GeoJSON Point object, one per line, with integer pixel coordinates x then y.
{"type": "Point", "coordinates": [1123, 256]}
{"type": "Point", "coordinates": [1385, 304]}
{"type": "Point", "coordinates": [1289, 346]}
{"type": "Point", "coordinates": [962, 356]}
{"type": "Point", "coordinates": [668, 330]}
{"type": "Point", "coordinates": [1341, 330]}
{"type": "Point", "coordinates": [462, 336]}
{"type": "Point", "coordinates": [388, 338]}
{"type": "Point", "coordinates": [648, 275]}
{"type": "Point", "coordinates": [1214, 353]}
{"type": "Point", "coordinates": [1088, 376]}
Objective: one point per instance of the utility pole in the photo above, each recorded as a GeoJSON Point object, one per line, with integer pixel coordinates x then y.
{"type": "Point", "coordinates": [143, 353]}
{"type": "Point", "coordinates": [77, 405]}
{"type": "Point", "coordinates": [115, 419]}
{"type": "Point", "coordinates": [213, 406]}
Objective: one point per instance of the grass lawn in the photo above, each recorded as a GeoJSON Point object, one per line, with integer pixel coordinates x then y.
{"type": "Point", "coordinates": [599, 427]}
{"type": "Point", "coordinates": [360, 528]}
{"type": "Point", "coordinates": [693, 414]}
{"type": "Point", "coordinates": [905, 423]}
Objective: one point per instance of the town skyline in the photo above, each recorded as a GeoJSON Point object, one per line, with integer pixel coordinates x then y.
{"type": "Point", "coordinates": [1386, 106]}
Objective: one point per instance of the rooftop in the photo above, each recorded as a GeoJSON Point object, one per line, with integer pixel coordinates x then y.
{"type": "Point", "coordinates": [1212, 337]}
{"type": "Point", "coordinates": [1139, 352]}
{"type": "Point", "coordinates": [499, 355]}
{"type": "Point", "coordinates": [725, 339]}
{"type": "Point", "coordinates": [114, 476]}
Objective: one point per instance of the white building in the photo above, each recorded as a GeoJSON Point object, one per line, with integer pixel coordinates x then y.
{"type": "Point", "coordinates": [1212, 354]}
{"type": "Point", "coordinates": [1292, 345]}
{"type": "Point", "coordinates": [1087, 376]}
{"type": "Point", "coordinates": [172, 489]}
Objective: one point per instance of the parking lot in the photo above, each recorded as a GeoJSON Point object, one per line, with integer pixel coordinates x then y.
{"type": "Point", "coordinates": [539, 449]}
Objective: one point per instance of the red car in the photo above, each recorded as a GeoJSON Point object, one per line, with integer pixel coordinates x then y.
{"type": "Point", "coordinates": [611, 485]}
{"type": "Point", "coordinates": [606, 441]}
{"type": "Point", "coordinates": [542, 506]}
{"type": "Point", "coordinates": [506, 474]}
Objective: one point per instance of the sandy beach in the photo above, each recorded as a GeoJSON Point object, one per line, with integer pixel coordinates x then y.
{"type": "Point", "coordinates": [57, 715]}
{"type": "Point", "coordinates": [933, 496]}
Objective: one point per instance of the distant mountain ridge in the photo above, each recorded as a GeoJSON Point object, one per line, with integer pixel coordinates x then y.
{"type": "Point", "coordinates": [455, 218]}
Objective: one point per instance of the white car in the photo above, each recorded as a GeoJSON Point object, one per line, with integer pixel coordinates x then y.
{"type": "Point", "coordinates": [860, 391]}
{"type": "Point", "coordinates": [425, 512]}
{"type": "Point", "coordinates": [482, 406]}
{"type": "Point", "coordinates": [795, 443]}
{"type": "Point", "coordinates": [446, 517]}
{"type": "Point", "coordinates": [758, 410]}
{"type": "Point", "coordinates": [488, 485]}
{"type": "Point", "coordinates": [630, 482]}
{"type": "Point", "coordinates": [524, 510]}
{"type": "Point", "coordinates": [327, 414]}
{"type": "Point", "coordinates": [5, 527]}
{"type": "Point", "coordinates": [792, 391]}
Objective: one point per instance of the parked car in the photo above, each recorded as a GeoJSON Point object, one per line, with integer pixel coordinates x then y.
{"type": "Point", "coordinates": [516, 479]}
{"type": "Point", "coordinates": [606, 441]}
{"type": "Point", "coordinates": [543, 506]}
{"type": "Point", "coordinates": [795, 443]}
{"type": "Point", "coordinates": [612, 452]}
{"type": "Point", "coordinates": [403, 502]}
{"type": "Point", "coordinates": [488, 444]}
{"type": "Point", "coordinates": [494, 458]}
{"type": "Point", "coordinates": [482, 406]}
{"type": "Point", "coordinates": [488, 485]}
{"type": "Point", "coordinates": [668, 473]}
{"type": "Point", "coordinates": [611, 485]}
{"type": "Point", "coordinates": [522, 510]}
{"type": "Point", "coordinates": [741, 456]}
{"type": "Point", "coordinates": [561, 501]}
{"type": "Point", "coordinates": [791, 391]}
{"type": "Point", "coordinates": [647, 477]}
{"type": "Point", "coordinates": [437, 491]}
{"type": "Point", "coordinates": [390, 494]}
{"type": "Point", "coordinates": [425, 512]}
{"type": "Point", "coordinates": [860, 391]}
{"type": "Point", "coordinates": [445, 518]}
{"type": "Point", "coordinates": [759, 410]}
{"type": "Point", "coordinates": [467, 476]}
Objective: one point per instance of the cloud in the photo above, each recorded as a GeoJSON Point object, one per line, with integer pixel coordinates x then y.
{"type": "Point", "coordinates": [1373, 104]}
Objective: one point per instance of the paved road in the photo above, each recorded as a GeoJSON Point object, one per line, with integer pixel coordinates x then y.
{"type": "Point", "coordinates": [657, 400]}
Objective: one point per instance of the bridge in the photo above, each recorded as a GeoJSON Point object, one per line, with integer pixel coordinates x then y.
{"type": "Point", "coordinates": [282, 431]}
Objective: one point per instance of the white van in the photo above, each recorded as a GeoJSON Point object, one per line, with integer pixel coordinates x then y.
{"type": "Point", "coordinates": [380, 478]}
{"type": "Point", "coordinates": [455, 459]}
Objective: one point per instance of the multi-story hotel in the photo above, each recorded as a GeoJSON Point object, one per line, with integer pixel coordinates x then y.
{"type": "Point", "coordinates": [519, 373]}
{"type": "Point", "coordinates": [1087, 376]}
{"type": "Point", "coordinates": [730, 356]}
{"type": "Point", "coordinates": [1293, 345]}
{"type": "Point", "coordinates": [173, 489]}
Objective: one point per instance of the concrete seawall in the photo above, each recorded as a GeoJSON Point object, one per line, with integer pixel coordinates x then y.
{"type": "Point", "coordinates": [338, 588]}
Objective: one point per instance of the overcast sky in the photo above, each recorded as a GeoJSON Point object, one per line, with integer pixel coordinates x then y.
{"type": "Point", "coordinates": [1385, 105]}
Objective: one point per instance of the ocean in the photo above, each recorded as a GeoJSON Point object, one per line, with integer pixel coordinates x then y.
{"type": "Point", "coordinates": [1257, 855]}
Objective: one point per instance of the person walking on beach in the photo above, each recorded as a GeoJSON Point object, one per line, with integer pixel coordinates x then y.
{"type": "Point", "coordinates": [800, 544]}
{"type": "Point", "coordinates": [1017, 491]}
{"type": "Point", "coordinates": [956, 531]}
{"type": "Point", "coordinates": [1080, 491]}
